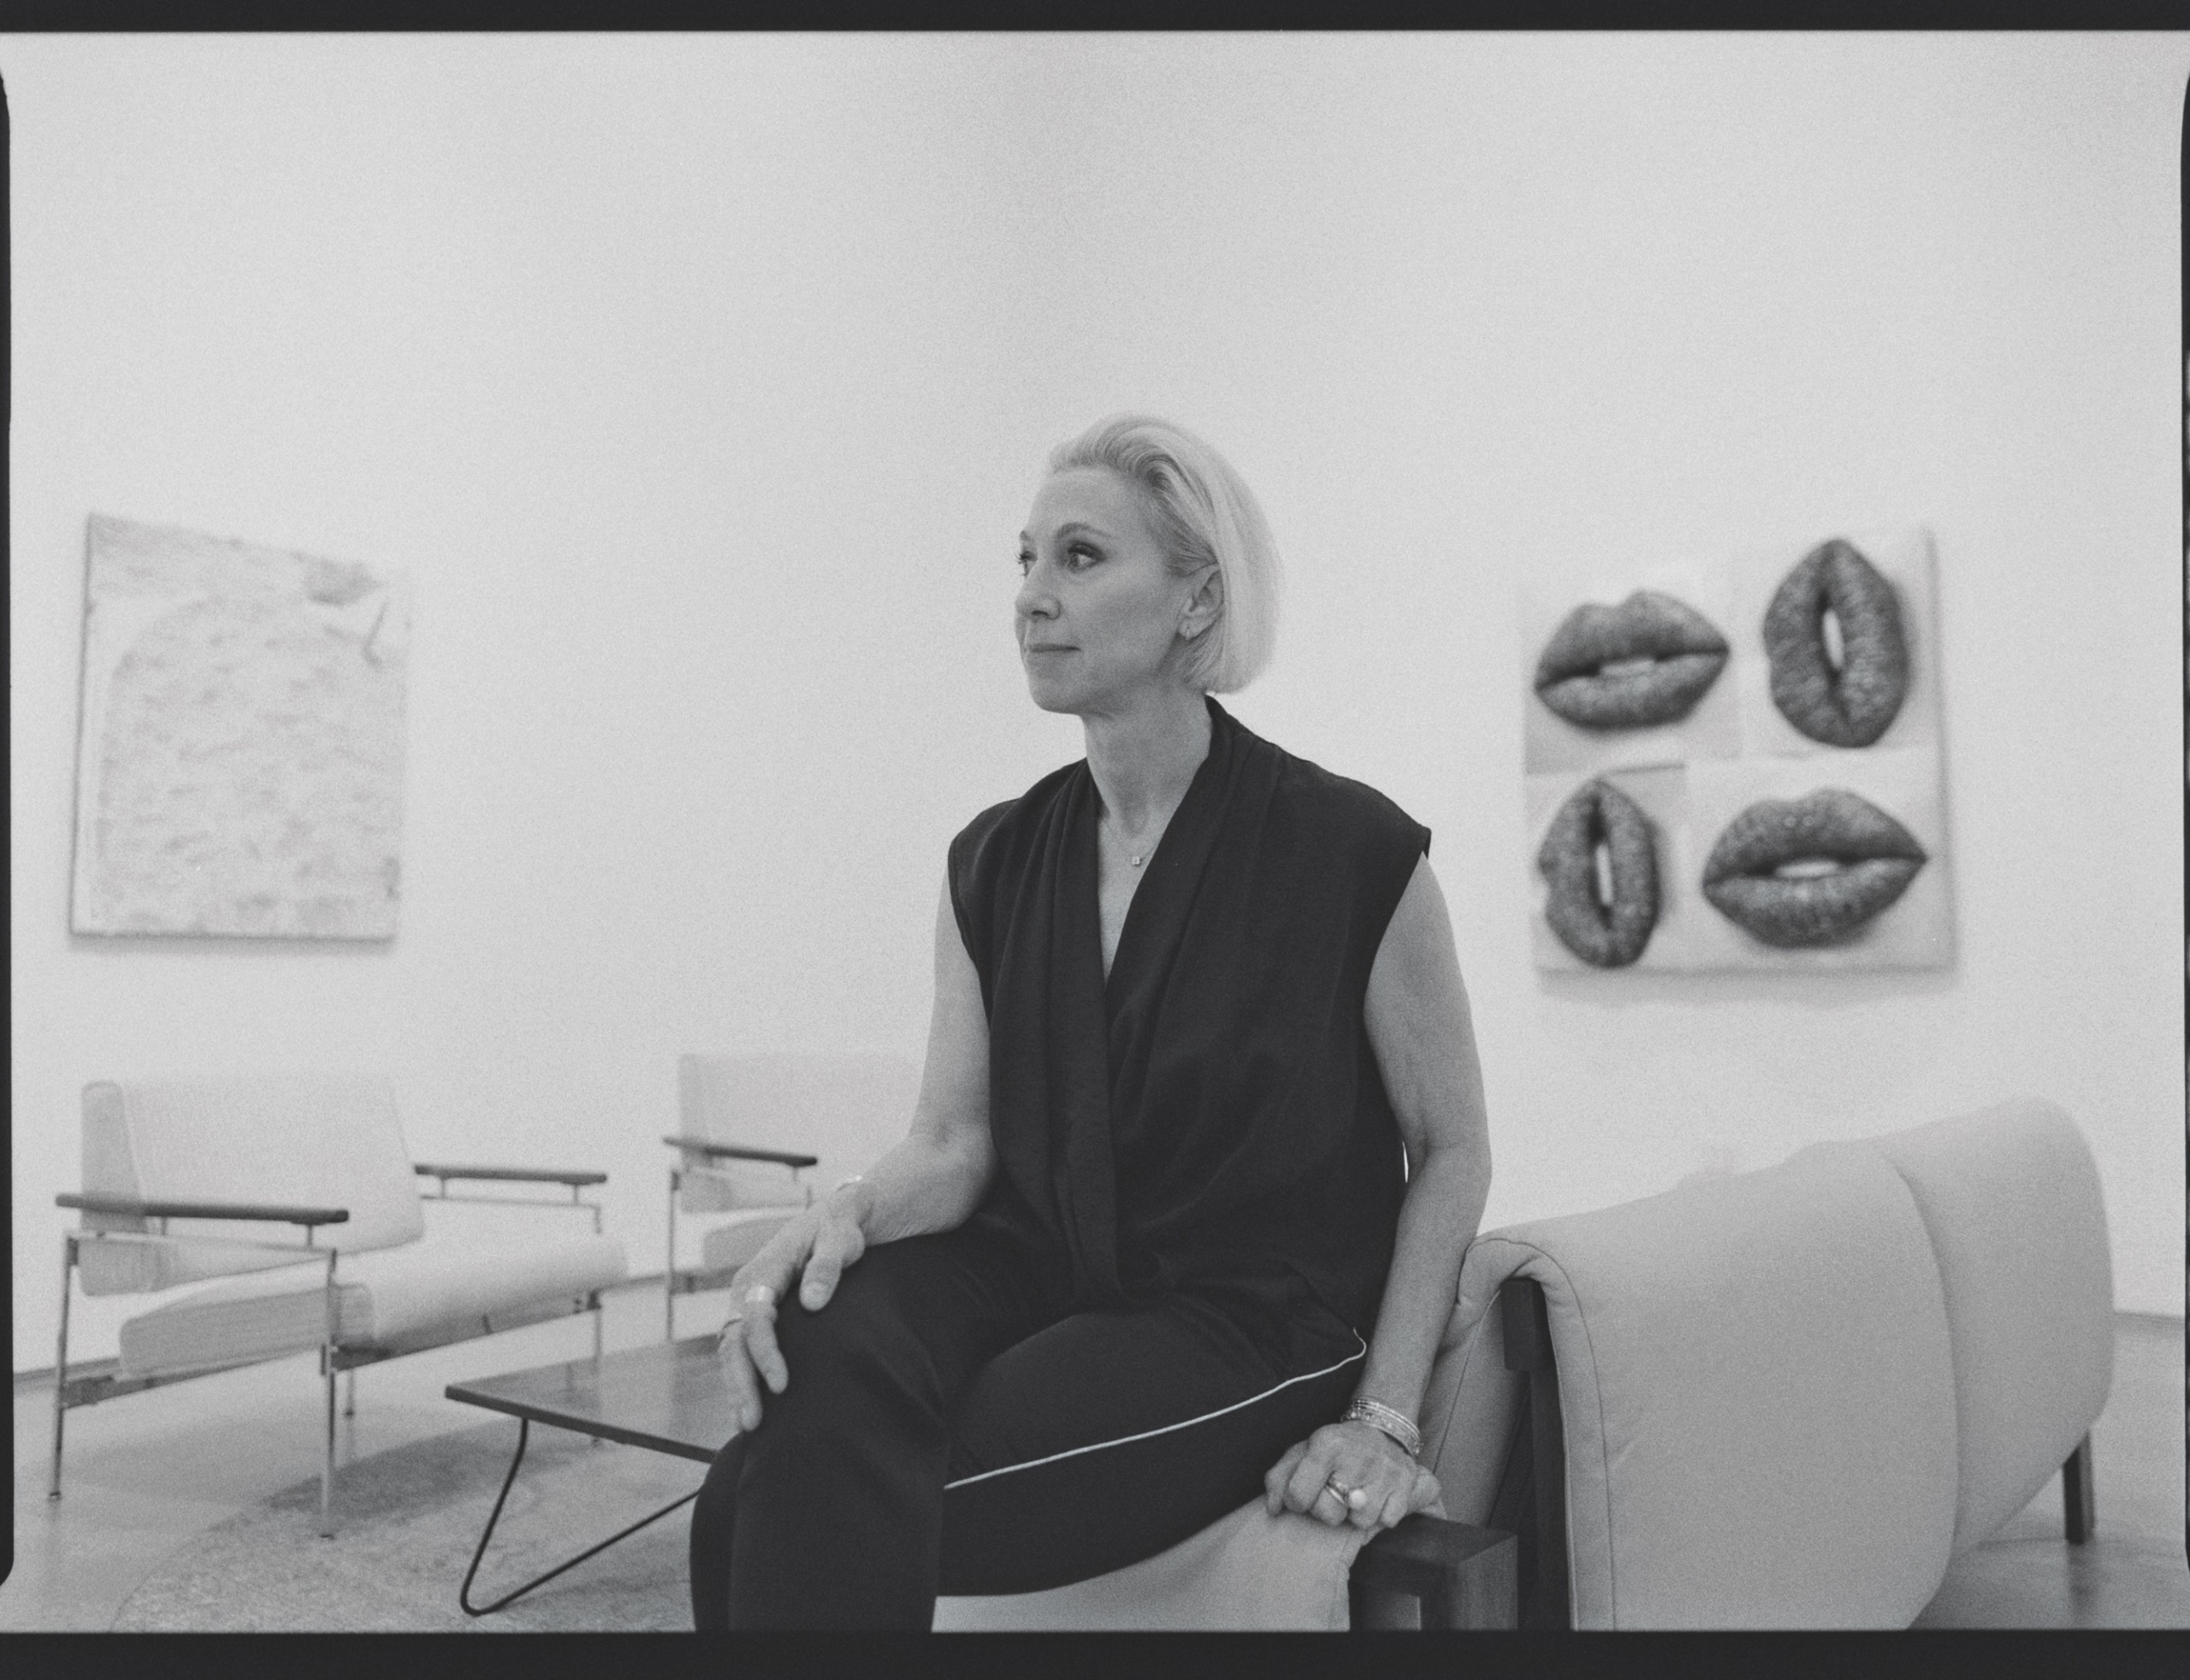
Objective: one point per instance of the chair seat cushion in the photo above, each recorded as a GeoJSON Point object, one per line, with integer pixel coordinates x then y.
{"type": "Point", "coordinates": [1246, 1573]}
{"type": "Point", "coordinates": [720, 1189]}
{"type": "Point", "coordinates": [386, 1302]}
{"type": "Point", "coordinates": [728, 1245]}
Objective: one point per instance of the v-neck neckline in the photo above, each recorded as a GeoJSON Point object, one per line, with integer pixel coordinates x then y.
{"type": "Point", "coordinates": [1203, 777]}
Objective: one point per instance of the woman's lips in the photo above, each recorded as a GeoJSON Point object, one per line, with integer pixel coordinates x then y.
{"type": "Point", "coordinates": [1849, 705]}
{"type": "Point", "coordinates": [1666, 654]}
{"type": "Point", "coordinates": [1748, 877]}
{"type": "Point", "coordinates": [1604, 935]}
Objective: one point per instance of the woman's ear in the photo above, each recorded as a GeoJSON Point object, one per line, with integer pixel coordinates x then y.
{"type": "Point", "coordinates": [1204, 605]}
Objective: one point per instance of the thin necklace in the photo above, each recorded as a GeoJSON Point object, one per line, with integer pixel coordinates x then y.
{"type": "Point", "coordinates": [1136, 859]}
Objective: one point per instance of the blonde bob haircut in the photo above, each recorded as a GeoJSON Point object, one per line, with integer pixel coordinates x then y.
{"type": "Point", "coordinates": [1204, 514]}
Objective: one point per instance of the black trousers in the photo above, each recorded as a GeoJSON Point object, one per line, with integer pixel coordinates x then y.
{"type": "Point", "coordinates": [952, 1425]}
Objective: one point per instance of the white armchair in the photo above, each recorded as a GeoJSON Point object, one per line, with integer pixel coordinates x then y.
{"type": "Point", "coordinates": [185, 1181]}
{"type": "Point", "coordinates": [746, 1125]}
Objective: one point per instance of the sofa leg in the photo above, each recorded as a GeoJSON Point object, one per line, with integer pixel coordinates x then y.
{"type": "Point", "coordinates": [1547, 1596]}
{"type": "Point", "coordinates": [2078, 1503]}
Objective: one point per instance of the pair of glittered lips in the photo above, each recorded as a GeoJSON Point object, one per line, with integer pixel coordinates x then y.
{"type": "Point", "coordinates": [1810, 871]}
{"type": "Point", "coordinates": [1645, 661]}
{"type": "Point", "coordinates": [1650, 659]}
{"type": "Point", "coordinates": [1795, 873]}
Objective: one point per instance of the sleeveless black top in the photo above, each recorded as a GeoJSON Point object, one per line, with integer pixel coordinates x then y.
{"type": "Point", "coordinates": [1212, 1116]}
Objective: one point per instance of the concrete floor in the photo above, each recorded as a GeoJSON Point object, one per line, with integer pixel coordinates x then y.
{"type": "Point", "coordinates": [147, 1472]}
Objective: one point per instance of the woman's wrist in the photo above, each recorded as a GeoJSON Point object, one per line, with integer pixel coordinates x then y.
{"type": "Point", "coordinates": [1388, 1421]}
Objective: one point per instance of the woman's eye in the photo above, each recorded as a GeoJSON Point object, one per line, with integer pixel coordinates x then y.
{"type": "Point", "coordinates": [1081, 556]}
{"type": "Point", "coordinates": [1026, 564]}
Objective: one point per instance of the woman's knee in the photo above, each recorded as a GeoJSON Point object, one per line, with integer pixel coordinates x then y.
{"type": "Point", "coordinates": [715, 1522]}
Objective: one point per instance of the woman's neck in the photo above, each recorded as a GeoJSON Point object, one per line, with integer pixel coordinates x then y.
{"type": "Point", "coordinates": [1144, 760]}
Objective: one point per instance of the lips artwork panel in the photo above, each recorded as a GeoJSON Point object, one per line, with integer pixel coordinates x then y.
{"type": "Point", "coordinates": [1584, 878]}
{"type": "Point", "coordinates": [1629, 671]}
{"type": "Point", "coordinates": [1835, 862]}
{"type": "Point", "coordinates": [1836, 642]}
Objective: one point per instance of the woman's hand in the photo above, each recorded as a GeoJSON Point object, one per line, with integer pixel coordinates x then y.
{"type": "Point", "coordinates": [1382, 1484]}
{"type": "Point", "coordinates": [819, 1243]}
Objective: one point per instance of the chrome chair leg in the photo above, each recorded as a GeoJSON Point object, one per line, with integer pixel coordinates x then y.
{"type": "Point", "coordinates": [326, 1366]}
{"type": "Point", "coordinates": [350, 1393]}
{"type": "Point", "coordinates": [61, 1361]}
{"type": "Point", "coordinates": [669, 1271]}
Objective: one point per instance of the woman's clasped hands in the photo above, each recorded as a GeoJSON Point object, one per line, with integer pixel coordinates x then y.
{"type": "Point", "coordinates": [811, 1251]}
{"type": "Point", "coordinates": [1349, 1472]}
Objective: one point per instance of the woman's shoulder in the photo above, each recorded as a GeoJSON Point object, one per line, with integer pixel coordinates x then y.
{"type": "Point", "coordinates": [1001, 822]}
{"type": "Point", "coordinates": [1335, 802]}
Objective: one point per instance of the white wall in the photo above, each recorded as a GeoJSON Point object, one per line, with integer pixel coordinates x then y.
{"type": "Point", "coordinates": [701, 384]}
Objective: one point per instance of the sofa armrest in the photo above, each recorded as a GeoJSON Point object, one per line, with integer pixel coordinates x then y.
{"type": "Point", "coordinates": [715, 1151]}
{"type": "Point", "coordinates": [574, 1178]}
{"type": "Point", "coordinates": [131, 1207]}
{"type": "Point", "coordinates": [1431, 1573]}
{"type": "Point", "coordinates": [1755, 1398]}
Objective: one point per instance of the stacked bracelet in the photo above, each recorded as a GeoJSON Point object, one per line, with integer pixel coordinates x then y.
{"type": "Point", "coordinates": [1394, 1423]}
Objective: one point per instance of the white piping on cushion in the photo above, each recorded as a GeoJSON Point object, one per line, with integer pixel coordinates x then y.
{"type": "Point", "coordinates": [1093, 1446]}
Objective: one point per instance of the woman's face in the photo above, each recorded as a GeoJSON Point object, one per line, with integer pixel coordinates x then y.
{"type": "Point", "coordinates": [1099, 613]}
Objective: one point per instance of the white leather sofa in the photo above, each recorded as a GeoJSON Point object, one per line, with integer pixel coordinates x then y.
{"type": "Point", "coordinates": [1786, 1399]}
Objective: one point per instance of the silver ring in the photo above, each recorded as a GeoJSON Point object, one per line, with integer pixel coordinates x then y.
{"type": "Point", "coordinates": [1344, 1493]}
{"type": "Point", "coordinates": [759, 1295]}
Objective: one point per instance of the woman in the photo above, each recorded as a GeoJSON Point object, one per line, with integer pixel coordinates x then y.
{"type": "Point", "coordinates": [1200, 1108]}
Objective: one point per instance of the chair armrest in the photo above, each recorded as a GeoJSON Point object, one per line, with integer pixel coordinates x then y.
{"type": "Point", "coordinates": [427, 1169]}
{"type": "Point", "coordinates": [714, 1150]}
{"type": "Point", "coordinates": [130, 1207]}
{"type": "Point", "coordinates": [1432, 1573]}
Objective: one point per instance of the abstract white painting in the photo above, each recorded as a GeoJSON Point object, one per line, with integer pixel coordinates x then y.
{"type": "Point", "coordinates": [239, 753]}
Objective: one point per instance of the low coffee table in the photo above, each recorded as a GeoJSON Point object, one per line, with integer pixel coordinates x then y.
{"type": "Point", "coordinates": [667, 1397]}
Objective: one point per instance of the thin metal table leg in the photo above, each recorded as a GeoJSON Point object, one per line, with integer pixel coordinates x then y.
{"type": "Point", "coordinates": [464, 1593]}
{"type": "Point", "coordinates": [61, 1361]}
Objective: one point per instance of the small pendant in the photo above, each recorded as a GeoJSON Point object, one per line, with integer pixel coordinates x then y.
{"type": "Point", "coordinates": [1137, 861]}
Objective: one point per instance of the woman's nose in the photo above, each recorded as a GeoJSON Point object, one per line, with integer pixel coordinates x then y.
{"type": "Point", "coordinates": [1034, 600]}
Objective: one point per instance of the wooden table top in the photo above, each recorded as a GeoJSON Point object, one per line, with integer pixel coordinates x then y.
{"type": "Point", "coordinates": [669, 1397]}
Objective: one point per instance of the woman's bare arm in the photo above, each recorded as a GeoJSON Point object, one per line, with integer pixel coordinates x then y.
{"type": "Point", "coordinates": [1417, 1013]}
{"type": "Point", "coordinates": [1425, 1040]}
{"type": "Point", "coordinates": [929, 1182]}
{"type": "Point", "coordinates": [936, 1177]}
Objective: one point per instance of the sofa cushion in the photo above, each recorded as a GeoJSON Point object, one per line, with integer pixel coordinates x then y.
{"type": "Point", "coordinates": [317, 1140]}
{"type": "Point", "coordinates": [2010, 1198]}
{"type": "Point", "coordinates": [386, 1302]}
{"type": "Point", "coordinates": [1756, 1395]}
{"type": "Point", "coordinates": [1468, 1411]}
{"type": "Point", "coordinates": [1246, 1571]}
